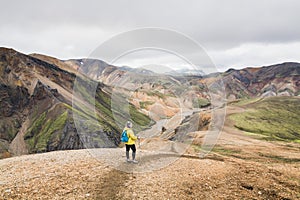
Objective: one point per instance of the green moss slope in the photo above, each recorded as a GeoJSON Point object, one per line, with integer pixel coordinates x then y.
{"type": "Point", "coordinates": [39, 134]}
{"type": "Point", "coordinates": [275, 118]}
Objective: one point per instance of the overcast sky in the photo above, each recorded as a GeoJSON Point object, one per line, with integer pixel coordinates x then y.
{"type": "Point", "coordinates": [235, 34]}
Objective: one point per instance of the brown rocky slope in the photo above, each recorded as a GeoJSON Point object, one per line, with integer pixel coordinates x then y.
{"type": "Point", "coordinates": [36, 107]}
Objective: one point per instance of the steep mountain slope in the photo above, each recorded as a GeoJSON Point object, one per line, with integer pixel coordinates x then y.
{"type": "Point", "coordinates": [37, 116]}
{"type": "Point", "coordinates": [275, 80]}
{"type": "Point", "coordinates": [96, 69]}
{"type": "Point", "coordinates": [157, 95]}
{"type": "Point", "coordinates": [25, 95]}
{"type": "Point", "coordinates": [54, 61]}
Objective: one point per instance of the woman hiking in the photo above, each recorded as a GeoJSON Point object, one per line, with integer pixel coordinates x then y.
{"type": "Point", "coordinates": [131, 142]}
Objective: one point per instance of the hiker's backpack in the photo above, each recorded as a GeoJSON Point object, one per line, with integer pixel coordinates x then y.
{"type": "Point", "coordinates": [124, 137]}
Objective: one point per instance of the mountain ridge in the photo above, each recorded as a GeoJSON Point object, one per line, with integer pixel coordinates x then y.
{"type": "Point", "coordinates": [281, 72]}
{"type": "Point", "coordinates": [40, 93]}
{"type": "Point", "coordinates": [38, 89]}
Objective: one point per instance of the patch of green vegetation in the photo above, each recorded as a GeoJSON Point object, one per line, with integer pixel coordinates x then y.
{"type": "Point", "coordinates": [138, 117]}
{"type": "Point", "coordinates": [121, 112]}
{"type": "Point", "coordinates": [90, 119]}
{"type": "Point", "coordinates": [218, 149]}
{"type": "Point", "coordinates": [79, 112]}
{"type": "Point", "coordinates": [276, 118]}
{"type": "Point", "coordinates": [39, 134]}
{"type": "Point", "coordinates": [242, 95]}
{"type": "Point", "coordinates": [94, 121]}
{"type": "Point", "coordinates": [103, 103]}
{"type": "Point", "coordinates": [197, 148]}
{"type": "Point", "coordinates": [144, 104]}
{"type": "Point", "coordinates": [81, 90]}
{"type": "Point", "coordinates": [170, 94]}
{"type": "Point", "coordinates": [257, 135]}
{"type": "Point", "coordinates": [280, 158]}
{"type": "Point", "coordinates": [106, 116]}
{"type": "Point", "coordinates": [156, 93]}
{"type": "Point", "coordinates": [201, 103]}
{"type": "Point", "coordinates": [243, 102]}
{"type": "Point", "coordinates": [226, 151]}
{"type": "Point", "coordinates": [198, 87]}
{"type": "Point", "coordinates": [36, 126]}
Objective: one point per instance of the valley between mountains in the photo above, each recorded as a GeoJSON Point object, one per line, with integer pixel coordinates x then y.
{"type": "Point", "coordinates": [59, 144]}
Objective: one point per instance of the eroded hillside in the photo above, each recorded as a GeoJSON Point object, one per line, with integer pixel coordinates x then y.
{"type": "Point", "coordinates": [37, 112]}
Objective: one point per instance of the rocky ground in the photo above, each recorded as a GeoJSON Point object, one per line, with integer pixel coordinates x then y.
{"type": "Point", "coordinates": [240, 167]}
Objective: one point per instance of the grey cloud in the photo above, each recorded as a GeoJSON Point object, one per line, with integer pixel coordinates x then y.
{"type": "Point", "coordinates": [74, 28]}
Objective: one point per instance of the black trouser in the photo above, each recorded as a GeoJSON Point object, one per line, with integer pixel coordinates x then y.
{"type": "Point", "coordinates": [132, 147]}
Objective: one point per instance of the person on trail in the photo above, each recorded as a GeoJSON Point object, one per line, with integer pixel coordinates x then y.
{"type": "Point", "coordinates": [131, 142]}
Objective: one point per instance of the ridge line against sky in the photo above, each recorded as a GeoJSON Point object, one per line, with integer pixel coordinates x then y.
{"type": "Point", "coordinates": [235, 34]}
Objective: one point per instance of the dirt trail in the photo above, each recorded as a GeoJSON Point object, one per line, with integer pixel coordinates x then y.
{"type": "Point", "coordinates": [79, 175]}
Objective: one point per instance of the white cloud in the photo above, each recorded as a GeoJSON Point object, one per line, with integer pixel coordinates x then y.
{"type": "Point", "coordinates": [230, 30]}
{"type": "Point", "coordinates": [256, 54]}
{"type": "Point", "coordinates": [64, 42]}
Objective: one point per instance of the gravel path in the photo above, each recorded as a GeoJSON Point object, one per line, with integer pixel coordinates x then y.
{"type": "Point", "coordinates": [78, 174]}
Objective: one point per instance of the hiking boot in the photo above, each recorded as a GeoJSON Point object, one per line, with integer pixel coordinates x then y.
{"type": "Point", "coordinates": [128, 160]}
{"type": "Point", "coordinates": [135, 161]}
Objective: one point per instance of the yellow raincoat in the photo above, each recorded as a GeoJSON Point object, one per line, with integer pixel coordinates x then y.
{"type": "Point", "coordinates": [131, 136]}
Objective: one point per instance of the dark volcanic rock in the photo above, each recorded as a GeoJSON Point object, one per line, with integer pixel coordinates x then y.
{"type": "Point", "coordinates": [24, 95]}
{"type": "Point", "coordinates": [12, 100]}
{"type": "Point", "coordinates": [254, 82]}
